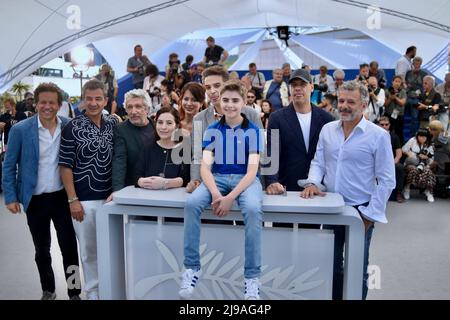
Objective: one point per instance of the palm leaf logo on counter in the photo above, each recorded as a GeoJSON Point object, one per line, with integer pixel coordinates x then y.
{"type": "Point", "coordinates": [227, 278]}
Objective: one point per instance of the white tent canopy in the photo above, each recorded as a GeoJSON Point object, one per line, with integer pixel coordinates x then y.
{"type": "Point", "coordinates": [34, 32]}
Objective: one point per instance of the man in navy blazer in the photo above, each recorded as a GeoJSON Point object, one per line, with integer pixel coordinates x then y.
{"type": "Point", "coordinates": [31, 178]}
{"type": "Point", "coordinates": [299, 125]}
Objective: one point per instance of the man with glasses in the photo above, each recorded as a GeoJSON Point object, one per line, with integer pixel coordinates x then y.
{"type": "Point", "coordinates": [130, 137]}
{"type": "Point", "coordinates": [251, 101]}
{"type": "Point", "coordinates": [299, 125]}
{"type": "Point", "coordinates": [339, 76]}
{"type": "Point", "coordinates": [385, 123]}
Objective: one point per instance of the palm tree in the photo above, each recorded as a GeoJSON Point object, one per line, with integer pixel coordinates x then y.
{"type": "Point", "coordinates": [20, 88]}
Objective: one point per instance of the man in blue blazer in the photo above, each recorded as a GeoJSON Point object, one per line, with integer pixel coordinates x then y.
{"type": "Point", "coordinates": [31, 178]}
{"type": "Point", "coordinates": [298, 125]}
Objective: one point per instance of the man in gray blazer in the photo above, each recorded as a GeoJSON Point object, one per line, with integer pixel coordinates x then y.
{"type": "Point", "coordinates": [213, 80]}
{"type": "Point", "coordinates": [31, 178]}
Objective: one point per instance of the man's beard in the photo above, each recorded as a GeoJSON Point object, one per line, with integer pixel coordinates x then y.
{"type": "Point", "coordinates": [352, 116]}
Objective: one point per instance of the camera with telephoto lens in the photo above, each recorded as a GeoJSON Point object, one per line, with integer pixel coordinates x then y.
{"type": "Point", "coordinates": [174, 65]}
{"type": "Point", "coordinates": [423, 132]}
{"type": "Point", "coordinates": [362, 78]}
{"type": "Point", "coordinates": [392, 90]}
{"type": "Point", "coordinates": [155, 93]}
{"type": "Point", "coordinates": [322, 87]}
{"type": "Point", "coordinates": [422, 163]}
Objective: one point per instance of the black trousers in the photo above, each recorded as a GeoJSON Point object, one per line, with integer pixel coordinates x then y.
{"type": "Point", "coordinates": [338, 260]}
{"type": "Point", "coordinates": [399, 177]}
{"type": "Point", "coordinates": [43, 209]}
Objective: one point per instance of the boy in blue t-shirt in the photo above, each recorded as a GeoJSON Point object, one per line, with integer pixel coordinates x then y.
{"type": "Point", "coordinates": [231, 152]}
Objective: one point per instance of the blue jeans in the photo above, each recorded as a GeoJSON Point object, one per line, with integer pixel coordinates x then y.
{"type": "Point", "coordinates": [338, 265]}
{"type": "Point", "coordinates": [250, 203]}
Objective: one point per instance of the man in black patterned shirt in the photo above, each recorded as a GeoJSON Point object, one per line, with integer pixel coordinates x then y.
{"type": "Point", "coordinates": [85, 164]}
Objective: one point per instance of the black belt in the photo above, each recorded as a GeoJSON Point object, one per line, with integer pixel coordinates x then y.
{"type": "Point", "coordinates": [365, 204]}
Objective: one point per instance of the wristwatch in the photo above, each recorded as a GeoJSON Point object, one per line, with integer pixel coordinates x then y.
{"type": "Point", "coordinates": [71, 200]}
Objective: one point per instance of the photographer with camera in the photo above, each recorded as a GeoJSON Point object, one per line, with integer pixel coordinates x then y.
{"type": "Point", "coordinates": [429, 103]}
{"type": "Point", "coordinates": [375, 71]}
{"type": "Point", "coordinates": [107, 77]}
{"type": "Point", "coordinates": [363, 75]}
{"type": "Point", "coordinates": [258, 80]}
{"type": "Point", "coordinates": [419, 152]}
{"type": "Point", "coordinates": [136, 66]}
{"type": "Point", "coordinates": [324, 82]}
{"type": "Point", "coordinates": [152, 84]}
{"type": "Point", "coordinates": [377, 97]}
{"type": "Point", "coordinates": [173, 67]}
{"type": "Point", "coordinates": [395, 106]}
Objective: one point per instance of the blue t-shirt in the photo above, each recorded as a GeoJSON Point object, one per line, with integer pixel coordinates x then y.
{"type": "Point", "coordinates": [87, 150]}
{"type": "Point", "coordinates": [232, 146]}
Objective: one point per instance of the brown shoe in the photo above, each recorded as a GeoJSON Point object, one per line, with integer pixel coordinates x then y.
{"type": "Point", "coordinates": [400, 198]}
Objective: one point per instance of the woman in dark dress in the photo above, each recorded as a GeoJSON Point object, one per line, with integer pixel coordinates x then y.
{"type": "Point", "coordinates": [160, 166]}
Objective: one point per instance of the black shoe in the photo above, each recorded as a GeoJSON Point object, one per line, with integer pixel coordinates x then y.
{"type": "Point", "coordinates": [76, 297]}
{"type": "Point", "coordinates": [47, 295]}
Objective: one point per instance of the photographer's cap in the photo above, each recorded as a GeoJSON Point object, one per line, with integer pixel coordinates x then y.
{"type": "Point", "coordinates": [301, 74]}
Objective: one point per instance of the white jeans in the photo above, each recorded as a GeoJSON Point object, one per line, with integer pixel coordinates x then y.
{"type": "Point", "coordinates": [87, 240]}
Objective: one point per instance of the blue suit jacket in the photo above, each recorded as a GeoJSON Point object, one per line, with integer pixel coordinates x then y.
{"type": "Point", "coordinates": [20, 168]}
{"type": "Point", "coordinates": [294, 161]}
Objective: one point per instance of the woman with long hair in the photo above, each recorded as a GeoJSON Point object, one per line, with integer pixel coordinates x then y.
{"type": "Point", "coordinates": [266, 110]}
{"type": "Point", "coordinates": [191, 102]}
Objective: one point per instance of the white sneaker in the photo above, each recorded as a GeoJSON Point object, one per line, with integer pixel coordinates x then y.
{"type": "Point", "coordinates": [188, 283]}
{"type": "Point", "coordinates": [252, 289]}
{"type": "Point", "coordinates": [406, 192]}
{"type": "Point", "coordinates": [430, 197]}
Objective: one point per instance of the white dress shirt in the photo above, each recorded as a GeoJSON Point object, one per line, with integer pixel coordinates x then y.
{"type": "Point", "coordinates": [360, 168]}
{"type": "Point", "coordinates": [403, 66]}
{"type": "Point", "coordinates": [48, 179]}
{"type": "Point", "coordinates": [374, 108]}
